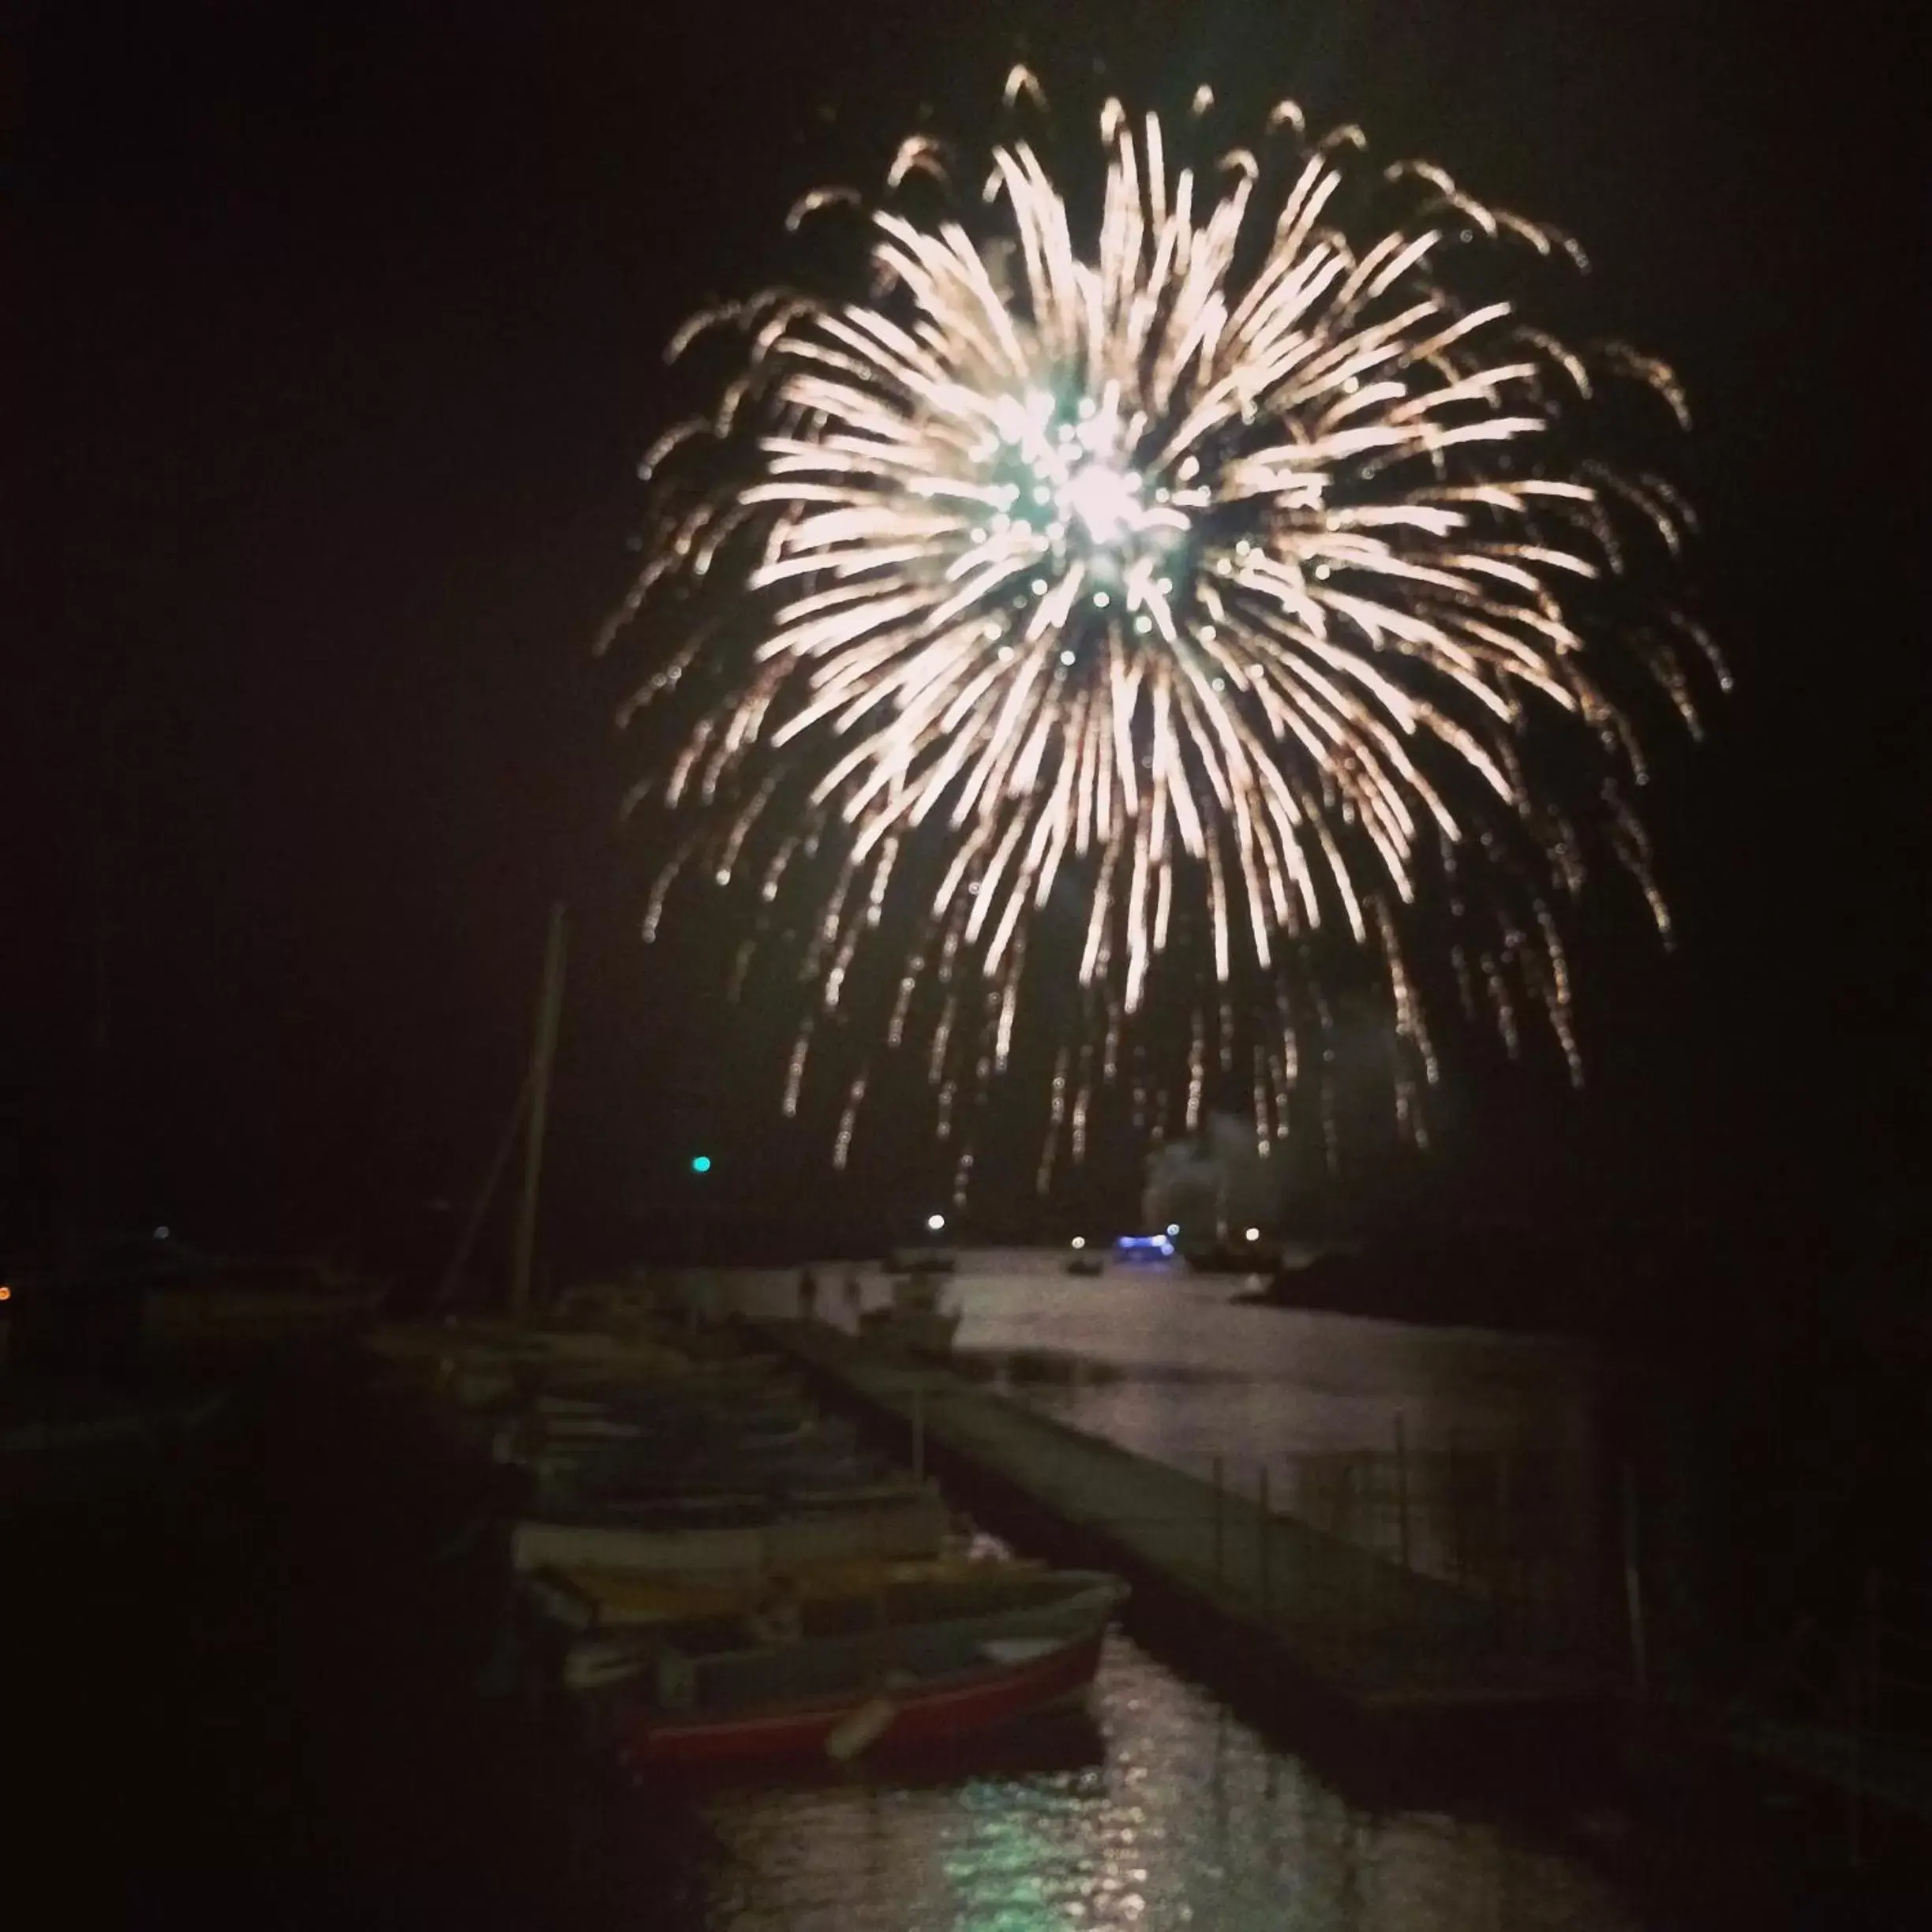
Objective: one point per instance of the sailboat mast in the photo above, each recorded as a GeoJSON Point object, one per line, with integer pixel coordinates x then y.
{"type": "Point", "coordinates": [549, 1010]}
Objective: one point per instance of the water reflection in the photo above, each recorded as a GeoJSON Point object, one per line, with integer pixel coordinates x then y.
{"type": "Point", "coordinates": [1163, 1810]}
{"type": "Point", "coordinates": [1183, 1817]}
{"type": "Point", "coordinates": [1484, 1458]}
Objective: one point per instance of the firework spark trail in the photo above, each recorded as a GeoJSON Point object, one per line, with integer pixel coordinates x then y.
{"type": "Point", "coordinates": [1213, 563]}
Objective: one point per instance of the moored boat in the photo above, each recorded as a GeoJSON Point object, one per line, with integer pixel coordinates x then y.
{"type": "Point", "coordinates": [917, 1664]}
{"type": "Point", "coordinates": [671, 1431]}
{"type": "Point", "coordinates": [480, 1340]}
{"type": "Point", "coordinates": [917, 1319]}
{"type": "Point", "coordinates": [594, 1599]}
{"type": "Point", "coordinates": [1005, 1683]}
{"type": "Point", "coordinates": [834, 1480]}
{"type": "Point", "coordinates": [790, 1461]}
{"type": "Point", "coordinates": [921, 1259]}
{"type": "Point", "coordinates": [731, 1540]}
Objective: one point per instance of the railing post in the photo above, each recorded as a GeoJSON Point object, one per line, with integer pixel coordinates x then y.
{"type": "Point", "coordinates": [918, 1432]}
{"type": "Point", "coordinates": [1633, 1584]}
{"type": "Point", "coordinates": [1217, 1515]}
{"type": "Point", "coordinates": [1362, 1558]}
{"type": "Point", "coordinates": [1500, 1543]}
{"type": "Point", "coordinates": [1863, 1668]}
{"type": "Point", "coordinates": [1401, 1489]}
{"type": "Point", "coordinates": [1265, 1530]}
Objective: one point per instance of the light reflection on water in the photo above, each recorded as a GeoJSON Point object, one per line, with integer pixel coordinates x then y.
{"type": "Point", "coordinates": [1163, 1809]}
{"type": "Point", "coordinates": [1189, 1818]}
{"type": "Point", "coordinates": [1173, 1365]}
{"type": "Point", "coordinates": [1173, 1359]}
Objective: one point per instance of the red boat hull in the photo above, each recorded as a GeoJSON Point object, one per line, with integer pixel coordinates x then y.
{"type": "Point", "coordinates": [924, 1714]}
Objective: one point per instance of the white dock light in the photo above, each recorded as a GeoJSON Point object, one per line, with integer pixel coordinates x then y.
{"type": "Point", "coordinates": [1254, 1234]}
{"type": "Point", "coordinates": [935, 1222]}
{"type": "Point", "coordinates": [1079, 1240]}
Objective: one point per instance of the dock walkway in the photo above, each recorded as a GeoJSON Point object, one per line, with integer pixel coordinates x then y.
{"type": "Point", "coordinates": [1269, 1594]}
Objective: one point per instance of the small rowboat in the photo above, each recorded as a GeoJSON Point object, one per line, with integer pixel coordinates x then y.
{"type": "Point", "coordinates": [690, 1455]}
{"type": "Point", "coordinates": [580, 1350]}
{"type": "Point", "coordinates": [1010, 1680]}
{"type": "Point", "coordinates": [917, 1319]}
{"type": "Point", "coordinates": [597, 1600]}
{"type": "Point", "coordinates": [965, 1665]}
{"type": "Point", "coordinates": [820, 1463]}
{"type": "Point", "coordinates": [762, 1406]}
{"type": "Point", "coordinates": [722, 1541]}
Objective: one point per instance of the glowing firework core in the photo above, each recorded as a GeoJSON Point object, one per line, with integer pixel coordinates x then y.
{"type": "Point", "coordinates": [1068, 506]}
{"type": "Point", "coordinates": [1107, 502]}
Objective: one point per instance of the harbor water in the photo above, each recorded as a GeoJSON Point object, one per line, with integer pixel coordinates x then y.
{"type": "Point", "coordinates": [256, 1658]}
{"type": "Point", "coordinates": [1160, 1807]}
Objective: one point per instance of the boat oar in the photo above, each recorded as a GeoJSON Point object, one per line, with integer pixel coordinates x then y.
{"type": "Point", "coordinates": [860, 1729]}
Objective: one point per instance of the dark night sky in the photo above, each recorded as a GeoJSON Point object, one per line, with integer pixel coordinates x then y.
{"type": "Point", "coordinates": [337, 331]}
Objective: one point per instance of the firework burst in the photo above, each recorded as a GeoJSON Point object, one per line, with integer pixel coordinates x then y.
{"type": "Point", "coordinates": [1214, 576]}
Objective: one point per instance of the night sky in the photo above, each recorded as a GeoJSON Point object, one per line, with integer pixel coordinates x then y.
{"type": "Point", "coordinates": [334, 334]}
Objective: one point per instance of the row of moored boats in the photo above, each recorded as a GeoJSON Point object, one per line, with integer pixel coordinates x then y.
{"type": "Point", "coordinates": [708, 1571]}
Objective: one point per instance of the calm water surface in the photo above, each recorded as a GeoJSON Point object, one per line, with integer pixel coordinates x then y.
{"type": "Point", "coordinates": [1507, 1440]}
{"type": "Point", "coordinates": [1158, 1807]}
{"type": "Point", "coordinates": [1181, 1815]}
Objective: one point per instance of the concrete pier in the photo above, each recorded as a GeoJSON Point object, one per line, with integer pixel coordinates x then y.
{"type": "Point", "coordinates": [1242, 1591]}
